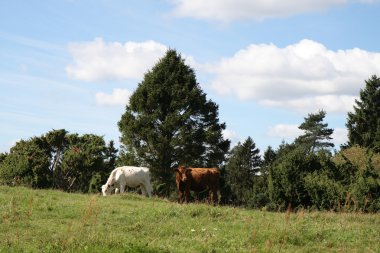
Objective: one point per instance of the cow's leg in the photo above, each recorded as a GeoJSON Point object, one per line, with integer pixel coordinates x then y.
{"type": "Point", "coordinates": [149, 191]}
{"type": "Point", "coordinates": [180, 197]}
{"type": "Point", "coordinates": [122, 187]}
{"type": "Point", "coordinates": [148, 188]}
{"type": "Point", "coordinates": [209, 196]}
{"type": "Point", "coordinates": [215, 196]}
{"type": "Point", "coordinates": [122, 183]}
{"type": "Point", "coordinates": [187, 193]}
{"type": "Point", "coordinates": [143, 190]}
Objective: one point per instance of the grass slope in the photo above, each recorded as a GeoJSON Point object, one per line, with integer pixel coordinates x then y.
{"type": "Point", "coordinates": [54, 221]}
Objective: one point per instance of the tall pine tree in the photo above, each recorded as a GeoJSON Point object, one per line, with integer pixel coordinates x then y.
{"type": "Point", "coordinates": [317, 136]}
{"type": "Point", "coordinates": [364, 122]}
{"type": "Point", "coordinates": [169, 121]}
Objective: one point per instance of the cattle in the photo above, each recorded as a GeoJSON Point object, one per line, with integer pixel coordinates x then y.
{"type": "Point", "coordinates": [198, 180]}
{"type": "Point", "coordinates": [128, 176]}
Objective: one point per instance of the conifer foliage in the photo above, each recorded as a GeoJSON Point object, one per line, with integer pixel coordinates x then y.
{"type": "Point", "coordinates": [364, 122]}
{"type": "Point", "coordinates": [317, 135]}
{"type": "Point", "coordinates": [169, 121]}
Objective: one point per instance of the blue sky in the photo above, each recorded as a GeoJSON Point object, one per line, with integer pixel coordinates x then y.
{"type": "Point", "coordinates": [73, 64]}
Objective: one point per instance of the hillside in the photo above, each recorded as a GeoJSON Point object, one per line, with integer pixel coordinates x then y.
{"type": "Point", "coordinates": [54, 221]}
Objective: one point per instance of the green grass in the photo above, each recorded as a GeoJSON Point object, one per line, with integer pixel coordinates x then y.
{"type": "Point", "coordinates": [54, 221]}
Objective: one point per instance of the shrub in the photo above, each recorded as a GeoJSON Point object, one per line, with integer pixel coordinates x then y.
{"type": "Point", "coordinates": [324, 191]}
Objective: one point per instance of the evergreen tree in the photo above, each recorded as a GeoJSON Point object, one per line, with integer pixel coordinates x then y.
{"type": "Point", "coordinates": [307, 155]}
{"type": "Point", "coordinates": [242, 167]}
{"type": "Point", "coordinates": [269, 156]}
{"type": "Point", "coordinates": [364, 122]}
{"type": "Point", "coordinates": [169, 121]}
{"type": "Point", "coordinates": [317, 136]}
{"type": "Point", "coordinates": [269, 159]}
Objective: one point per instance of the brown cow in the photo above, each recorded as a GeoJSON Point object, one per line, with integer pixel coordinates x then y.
{"type": "Point", "coordinates": [197, 179]}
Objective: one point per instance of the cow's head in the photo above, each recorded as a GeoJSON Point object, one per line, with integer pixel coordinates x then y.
{"type": "Point", "coordinates": [184, 173]}
{"type": "Point", "coordinates": [107, 189]}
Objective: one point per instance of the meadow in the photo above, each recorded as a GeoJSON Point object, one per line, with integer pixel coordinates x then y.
{"type": "Point", "coordinates": [55, 221]}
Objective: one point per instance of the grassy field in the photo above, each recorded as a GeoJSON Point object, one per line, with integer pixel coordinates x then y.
{"type": "Point", "coordinates": [54, 221]}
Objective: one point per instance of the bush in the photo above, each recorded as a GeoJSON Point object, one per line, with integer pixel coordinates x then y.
{"type": "Point", "coordinates": [27, 165]}
{"type": "Point", "coordinates": [258, 200]}
{"type": "Point", "coordinates": [324, 191]}
{"type": "Point", "coordinates": [365, 191]}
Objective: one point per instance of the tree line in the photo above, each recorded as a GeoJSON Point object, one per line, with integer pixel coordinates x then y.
{"type": "Point", "coordinates": [170, 122]}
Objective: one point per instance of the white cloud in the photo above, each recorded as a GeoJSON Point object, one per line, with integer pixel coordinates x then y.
{"type": "Point", "coordinates": [232, 136]}
{"type": "Point", "coordinates": [330, 103]}
{"type": "Point", "coordinates": [291, 132]}
{"type": "Point", "coordinates": [340, 136]}
{"type": "Point", "coordinates": [7, 147]}
{"type": "Point", "coordinates": [97, 59]}
{"type": "Point", "coordinates": [118, 97]}
{"type": "Point", "coordinates": [284, 131]}
{"type": "Point", "coordinates": [230, 10]}
{"type": "Point", "coordinates": [305, 76]}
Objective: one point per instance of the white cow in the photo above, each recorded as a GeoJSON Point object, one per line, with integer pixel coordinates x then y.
{"type": "Point", "coordinates": [128, 176]}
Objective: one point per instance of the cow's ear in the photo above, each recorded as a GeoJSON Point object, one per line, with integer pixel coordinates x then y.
{"type": "Point", "coordinates": [176, 170]}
